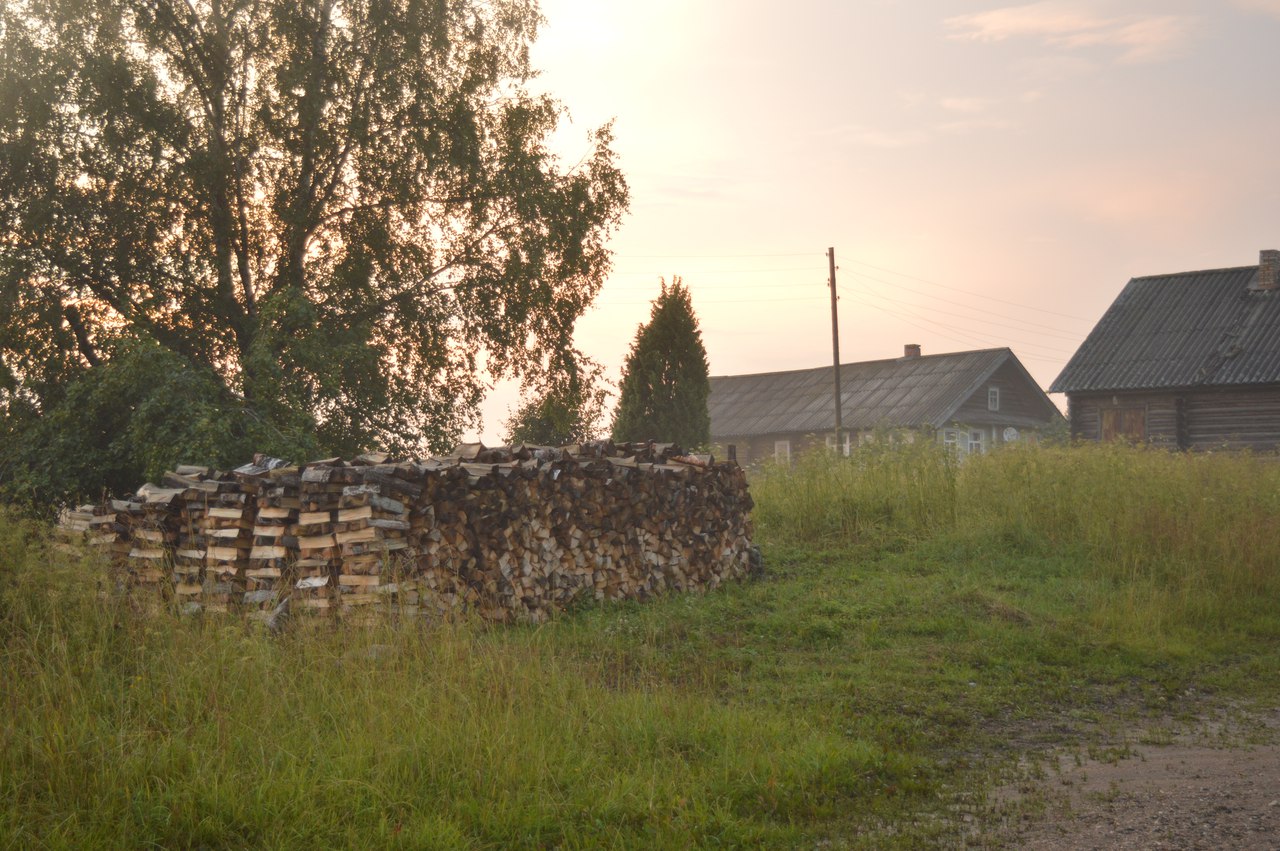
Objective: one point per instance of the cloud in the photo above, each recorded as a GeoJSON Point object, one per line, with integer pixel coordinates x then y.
{"type": "Point", "coordinates": [967, 104]}
{"type": "Point", "coordinates": [887, 139]}
{"type": "Point", "coordinates": [1130, 195]}
{"type": "Point", "coordinates": [975, 124]}
{"type": "Point", "coordinates": [1265, 7]}
{"type": "Point", "coordinates": [1072, 26]}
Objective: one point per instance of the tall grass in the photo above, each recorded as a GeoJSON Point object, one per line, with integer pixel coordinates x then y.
{"type": "Point", "coordinates": [1181, 538]}
{"type": "Point", "coordinates": [884, 491]}
{"type": "Point", "coordinates": [1177, 536]}
{"type": "Point", "coordinates": [125, 730]}
{"type": "Point", "coordinates": [828, 703]}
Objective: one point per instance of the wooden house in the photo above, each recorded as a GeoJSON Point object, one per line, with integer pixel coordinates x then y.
{"type": "Point", "coordinates": [1187, 361]}
{"type": "Point", "coordinates": [967, 400]}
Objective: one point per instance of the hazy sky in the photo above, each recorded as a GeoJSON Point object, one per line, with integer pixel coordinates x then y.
{"type": "Point", "coordinates": [989, 175]}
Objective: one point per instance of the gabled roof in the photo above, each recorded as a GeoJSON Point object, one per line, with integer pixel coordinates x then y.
{"type": "Point", "coordinates": [902, 392]}
{"type": "Point", "coordinates": [1191, 329]}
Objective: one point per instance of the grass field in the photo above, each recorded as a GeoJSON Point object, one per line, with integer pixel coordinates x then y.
{"type": "Point", "coordinates": [923, 624]}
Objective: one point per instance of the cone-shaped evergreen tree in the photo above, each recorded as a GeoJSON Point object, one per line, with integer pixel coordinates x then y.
{"type": "Point", "coordinates": [665, 386]}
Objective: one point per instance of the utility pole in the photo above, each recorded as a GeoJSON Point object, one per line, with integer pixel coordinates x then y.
{"type": "Point", "coordinates": [835, 350]}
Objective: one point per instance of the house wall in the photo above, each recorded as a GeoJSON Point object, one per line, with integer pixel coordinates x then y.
{"type": "Point", "coordinates": [1021, 406]}
{"type": "Point", "coordinates": [1237, 418]}
{"type": "Point", "coordinates": [760, 449]}
{"type": "Point", "coordinates": [1161, 410]}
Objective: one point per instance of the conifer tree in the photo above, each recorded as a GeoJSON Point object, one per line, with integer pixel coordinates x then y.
{"type": "Point", "coordinates": [665, 383]}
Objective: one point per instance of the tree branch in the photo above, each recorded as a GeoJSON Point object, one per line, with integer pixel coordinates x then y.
{"type": "Point", "coordinates": [72, 314]}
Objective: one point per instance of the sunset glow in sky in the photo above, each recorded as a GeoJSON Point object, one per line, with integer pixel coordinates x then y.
{"type": "Point", "coordinates": [989, 175]}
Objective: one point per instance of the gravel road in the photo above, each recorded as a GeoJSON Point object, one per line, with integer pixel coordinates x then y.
{"type": "Point", "coordinates": [1212, 788]}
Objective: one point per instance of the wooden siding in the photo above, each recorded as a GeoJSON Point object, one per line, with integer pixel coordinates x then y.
{"type": "Point", "coordinates": [1159, 410]}
{"type": "Point", "coordinates": [1021, 405]}
{"type": "Point", "coordinates": [1234, 419]}
{"type": "Point", "coordinates": [1244, 418]}
{"type": "Point", "coordinates": [753, 451]}
{"type": "Point", "coordinates": [760, 449]}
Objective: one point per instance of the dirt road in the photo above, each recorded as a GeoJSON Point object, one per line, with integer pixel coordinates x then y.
{"type": "Point", "coordinates": [1215, 787]}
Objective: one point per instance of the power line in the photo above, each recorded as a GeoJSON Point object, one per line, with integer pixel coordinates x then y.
{"type": "Point", "coordinates": [722, 271]}
{"type": "Point", "coordinates": [971, 337]}
{"type": "Point", "coordinates": [730, 301]}
{"type": "Point", "coordinates": [969, 292]}
{"type": "Point", "coordinates": [895, 285]}
{"type": "Point", "coordinates": [718, 256]}
{"type": "Point", "coordinates": [1037, 329]}
{"type": "Point", "coordinates": [697, 288]}
{"type": "Point", "coordinates": [859, 262]}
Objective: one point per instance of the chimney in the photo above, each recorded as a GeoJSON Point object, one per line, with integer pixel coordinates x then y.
{"type": "Point", "coordinates": [912, 350]}
{"type": "Point", "coordinates": [1268, 270]}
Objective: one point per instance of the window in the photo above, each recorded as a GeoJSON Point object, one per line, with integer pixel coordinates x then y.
{"type": "Point", "coordinates": [951, 438]}
{"type": "Point", "coordinates": [993, 398]}
{"type": "Point", "coordinates": [782, 451]}
{"type": "Point", "coordinates": [975, 443]}
{"type": "Point", "coordinates": [831, 443]}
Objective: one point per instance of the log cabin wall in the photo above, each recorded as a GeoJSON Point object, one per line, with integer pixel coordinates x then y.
{"type": "Point", "coordinates": [1200, 420]}
{"type": "Point", "coordinates": [1247, 418]}
{"type": "Point", "coordinates": [1152, 418]}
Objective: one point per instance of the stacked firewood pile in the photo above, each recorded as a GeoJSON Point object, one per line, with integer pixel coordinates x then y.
{"type": "Point", "coordinates": [509, 532]}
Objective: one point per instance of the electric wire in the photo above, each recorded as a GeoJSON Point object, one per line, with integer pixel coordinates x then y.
{"type": "Point", "coordinates": [965, 337]}
{"type": "Point", "coordinates": [966, 292]}
{"type": "Point", "coordinates": [1038, 330]}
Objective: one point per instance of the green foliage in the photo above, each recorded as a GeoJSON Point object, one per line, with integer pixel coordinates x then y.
{"type": "Point", "coordinates": [129, 419]}
{"type": "Point", "coordinates": [665, 384]}
{"type": "Point", "coordinates": [334, 211]}
{"type": "Point", "coordinates": [565, 408]}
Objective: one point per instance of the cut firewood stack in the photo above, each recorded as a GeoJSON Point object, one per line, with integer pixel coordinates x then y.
{"type": "Point", "coordinates": [508, 532]}
{"type": "Point", "coordinates": [319, 492]}
{"type": "Point", "coordinates": [371, 531]}
{"type": "Point", "coordinates": [271, 574]}
{"type": "Point", "coordinates": [191, 547]}
{"type": "Point", "coordinates": [154, 535]}
{"type": "Point", "coordinates": [107, 529]}
{"type": "Point", "coordinates": [445, 541]}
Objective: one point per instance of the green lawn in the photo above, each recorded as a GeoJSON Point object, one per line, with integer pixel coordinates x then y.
{"type": "Point", "coordinates": [922, 625]}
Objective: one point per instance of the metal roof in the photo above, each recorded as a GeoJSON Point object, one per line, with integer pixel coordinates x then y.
{"type": "Point", "coordinates": [1191, 329]}
{"type": "Point", "coordinates": [901, 392]}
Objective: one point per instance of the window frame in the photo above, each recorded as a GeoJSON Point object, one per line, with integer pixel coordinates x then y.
{"type": "Point", "coordinates": [848, 446]}
{"type": "Point", "coordinates": [978, 446]}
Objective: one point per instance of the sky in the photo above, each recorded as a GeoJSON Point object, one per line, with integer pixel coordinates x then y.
{"type": "Point", "coordinates": [988, 174]}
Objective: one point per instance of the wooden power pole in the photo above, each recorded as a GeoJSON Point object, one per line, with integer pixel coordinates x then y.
{"type": "Point", "coordinates": [835, 350]}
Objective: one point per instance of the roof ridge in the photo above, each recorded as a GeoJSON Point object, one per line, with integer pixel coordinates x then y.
{"type": "Point", "coordinates": [1193, 272]}
{"type": "Point", "coordinates": [863, 362]}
